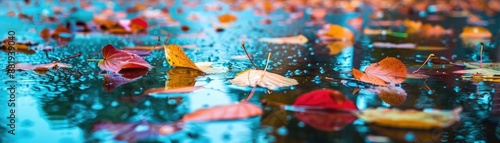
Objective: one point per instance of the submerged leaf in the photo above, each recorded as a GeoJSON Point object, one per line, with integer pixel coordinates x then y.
{"type": "Point", "coordinates": [225, 112]}
{"type": "Point", "coordinates": [262, 78]}
{"type": "Point", "coordinates": [115, 60]}
{"type": "Point", "coordinates": [387, 70]}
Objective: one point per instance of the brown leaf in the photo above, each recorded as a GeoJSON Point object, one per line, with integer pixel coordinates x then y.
{"type": "Point", "coordinates": [388, 70]}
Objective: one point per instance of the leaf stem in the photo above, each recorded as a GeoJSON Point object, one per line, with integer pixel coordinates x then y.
{"type": "Point", "coordinates": [248, 55]}
{"type": "Point", "coordinates": [69, 57]}
{"type": "Point", "coordinates": [428, 58]}
{"type": "Point", "coordinates": [94, 60]}
{"type": "Point", "coordinates": [481, 55]}
{"type": "Point", "coordinates": [251, 94]}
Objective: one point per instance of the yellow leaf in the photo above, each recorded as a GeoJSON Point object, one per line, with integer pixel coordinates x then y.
{"type": "Point", "coordinates": [177, 58]}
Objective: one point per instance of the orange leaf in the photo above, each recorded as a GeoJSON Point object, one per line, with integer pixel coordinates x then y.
{"type": "Point", "coordinates": [227, 18]}
{"type": "Point", "coordinates": [226, 112]}
{"type": "Point", "coordinates": [177, 58]}
{"type": "Point", "coordinates": [336, 32]}
{"type": "Point", "coordinates": [388, 70]}
{"type": "Point", "coordinates": [475, 32]}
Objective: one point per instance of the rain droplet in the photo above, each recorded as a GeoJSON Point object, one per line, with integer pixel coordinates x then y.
{"type": "Point", "coordinates": [114, 104]}
{"type": "Point", "coordinates": [282, 131]}
{"type": "Point", "coordinates": [410, 137]}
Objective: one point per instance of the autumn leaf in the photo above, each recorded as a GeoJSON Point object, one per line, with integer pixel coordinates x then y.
{"type": "Point", "coordinates": [387, 70]}
{"type": "Point", "coordinates": [40, 68]}
{"type": "Point", "coordinates": [335, 32]}
{"type": "Point", "coordinates": [133, 132]}
{"type": "Point", "coordinates": [428, 30]}
{"type": "Point", "coordinates": [262, 78]}
{"type": "Point", "coordinates": [115, 60]}
{"type": "Point", "coordinates": [325, 99]}
{"type": "Point", "coordinates": [43, 68]}
{"type": "Point", "coordinates": [234, 111]}
{"type": "Point", "coordinates": [138, 25]}
{"type": "Point", "coordinates": [300, 39]}
{"type": "Point", "coordinates": [475, 32]}
{"type": "Point", "coordinates": [227, 18]}
{"type": "Point", "coordinates": [177, 58]}
{"type": "Point", "coordinates": [412, 119]}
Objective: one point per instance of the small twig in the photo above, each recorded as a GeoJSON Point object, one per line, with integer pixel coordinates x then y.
{"type": "Point", "coordinates": [69, 57]}
{"type": "Point", "coordinates": [481, 55]}
{"type": "Point", "coordinates": [248, 55]}
{"type": "Point", "coordinates": [428, 58]}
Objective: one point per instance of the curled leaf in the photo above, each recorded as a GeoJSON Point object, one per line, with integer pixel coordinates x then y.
{"type": "Point", "coordinates": [262, 78]}
{"type": "Point", "coordinates": [387, 70]}
{"type": "Point", "coordinates": [226, 112]}
{"type": "Point", "coordinates": [40, 68]}
{"type": "Point", "coordinates": [115, 60]}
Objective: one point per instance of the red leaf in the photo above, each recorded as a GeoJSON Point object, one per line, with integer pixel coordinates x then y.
{"type": "Point", "coordinates": [226, 112]}
{"type": "Point", "coordinates": [325, 98]}
{"type": "Point", "coordinates": [132, 132]}
{"type": "Point", "coordinates": [326, 121]}
{"type": "Point", "coordinates": [139, 22]}
{"type": "Point", "coordinates": [115, 60]}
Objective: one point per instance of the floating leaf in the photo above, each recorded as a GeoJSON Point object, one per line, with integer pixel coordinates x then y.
{"type": "Point", "coordinates": [326, 99]}
{"type": "Point", "coordinates": [387, 70]}
{"type": "Point", "coordinates": [428, 30]}
{"type": "Point", "coordinates": [392, 45]}
{"type": "Point", "coordinates": [234, 111]}
{"type": "Point", "coordinates": [177, 58]}
{"type": "Point", "coordinates": [475, 32]}
{"type": "Point", "coordinates": [40, 67]}
{"type": "Point", "coordinates": [115, 60]}
{"type": "Point", "coordinates": [138, 24]}
{"type": "Point", "coordinates": [167, 90]}
{"type": "Point", "coordinates": [133, 132]}
{"type": "Point", "coordinates": [227, 18]}
{"type": "Point", "coordinates": [262, 78]}
{"type": "Point", "coordinates": [335, 32]}
{"type": "Point", "coordinates": [300, 39]}
{"type": "Point", "coordinates": [412, 119]}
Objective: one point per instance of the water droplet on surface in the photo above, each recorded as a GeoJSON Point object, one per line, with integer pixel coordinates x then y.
{"type": "Point", "coordinates": [410, 137]}
{"type": "Point", "coordinates": [282, 131]}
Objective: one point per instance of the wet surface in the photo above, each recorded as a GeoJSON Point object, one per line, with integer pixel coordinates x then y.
{"type": "Point", "coordinates": [62, 105]}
